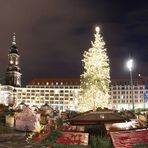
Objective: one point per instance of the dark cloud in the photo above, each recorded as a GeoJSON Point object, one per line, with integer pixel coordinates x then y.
{"type": "Point", "coordinates": [52, 35]}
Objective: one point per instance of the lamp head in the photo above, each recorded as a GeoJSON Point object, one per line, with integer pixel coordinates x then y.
{"type": "Point", "coordinates": [129, 64]}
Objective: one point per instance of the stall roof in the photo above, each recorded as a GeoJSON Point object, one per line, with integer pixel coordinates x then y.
{"type": "Point", "coordinates": [97, 118]}
{"type": "Point", "coordinates": [128, 139]}
{"type": "Point", "coordinates": [133, 124]}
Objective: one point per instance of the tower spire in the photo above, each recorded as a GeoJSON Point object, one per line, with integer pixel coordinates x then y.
{"type": "Point", "coordinates": [13, 71]}
{"type": "Point", "coordinates": [14, 39]}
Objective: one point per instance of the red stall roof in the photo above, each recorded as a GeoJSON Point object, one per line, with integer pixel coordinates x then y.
{"type": "Point", "coordinates": [127, 139]}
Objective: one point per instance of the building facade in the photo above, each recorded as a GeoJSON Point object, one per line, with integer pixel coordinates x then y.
{"type": "Point", "coordinates": [125, 96]}
{"type": "Point", "coordinates": [63, 94]}
{"type": "Point", "coordinates": [13, 71]}
{"type": "Point", "coordinates": [60, 94]}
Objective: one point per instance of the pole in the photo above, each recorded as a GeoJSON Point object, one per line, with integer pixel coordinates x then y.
{"type": "Point", "coordinates": [94, 99]}
{"type": "Point", "coordinates": [133, 107]}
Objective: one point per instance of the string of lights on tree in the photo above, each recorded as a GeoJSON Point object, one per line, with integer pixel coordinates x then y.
{"type": "Point", "coordinates": [94, 87]}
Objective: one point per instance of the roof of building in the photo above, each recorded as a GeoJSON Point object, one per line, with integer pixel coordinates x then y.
{"type": "Point", "coordinates": [97, 118]}
{"type": "Point", "coordinates": [140, 80]}
{"type": "Point", "coordinates": [55, 81]}
{"type": "Point", "coordinates": [76, 81]}
{"type": "Point", "coordinates": [13, 48]}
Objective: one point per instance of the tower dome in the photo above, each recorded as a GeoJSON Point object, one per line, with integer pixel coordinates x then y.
{"type": "Point", "coordinates": [13, 70]}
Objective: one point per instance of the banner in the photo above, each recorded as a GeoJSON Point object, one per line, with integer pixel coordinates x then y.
{"type": "Point", "coordinates": [145, 97]}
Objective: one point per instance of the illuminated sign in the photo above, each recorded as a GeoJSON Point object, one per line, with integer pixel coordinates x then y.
{"type": "Point", "coordinates": [145, 97]}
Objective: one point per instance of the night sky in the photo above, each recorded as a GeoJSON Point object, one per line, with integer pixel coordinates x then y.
{"type": "Point", "coordinates": [52, 35]}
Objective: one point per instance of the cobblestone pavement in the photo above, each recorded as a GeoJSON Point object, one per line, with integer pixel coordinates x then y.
{"type": "Point", "coordinates": [10, 138]}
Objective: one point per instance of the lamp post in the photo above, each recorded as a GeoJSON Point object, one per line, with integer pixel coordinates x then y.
{"type": "Point", "coordinates": [130, 68]}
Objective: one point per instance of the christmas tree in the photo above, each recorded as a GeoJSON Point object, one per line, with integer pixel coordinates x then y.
{"type": "Point", "coordinates": [94, 88]}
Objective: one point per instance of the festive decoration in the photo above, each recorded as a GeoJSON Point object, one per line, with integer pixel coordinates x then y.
{"type": "Point", "coordinates": [50, 137]}
{"type": "Point", "coordinates": [41, 136]}
{"type": "Point", "coordinates": [38, 127]}
{"type": "Point", "coordinates": [94, 88]}
{"type": "Point", "coordinates": [73, 138]}
{"type": "Point", "coordinates": [46, 135]}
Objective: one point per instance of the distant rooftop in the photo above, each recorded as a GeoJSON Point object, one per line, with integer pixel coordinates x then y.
{"type": "Point", "coordinates": [140, 80]}
{"type": "Point", "coordinates": [55, 81]}
{"type": "Point", "coordinates": [76, 81]}
{"type": "Point", "coordinates": [97, 118]}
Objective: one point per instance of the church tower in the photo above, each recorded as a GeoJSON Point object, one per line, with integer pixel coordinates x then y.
{"type": "Point", "coordinates": [13, 72]}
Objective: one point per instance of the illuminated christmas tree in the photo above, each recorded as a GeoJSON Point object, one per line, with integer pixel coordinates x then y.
{"type": "Point", "coordinates": [94, 88]}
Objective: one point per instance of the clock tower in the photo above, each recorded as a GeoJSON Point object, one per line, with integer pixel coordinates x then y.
{"type": "Point", "coordinates": [13, 72]}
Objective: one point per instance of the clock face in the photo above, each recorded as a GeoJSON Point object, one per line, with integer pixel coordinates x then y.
{"type": "Point", "coordinates": [11, 61]}
{"type": "Point", "coordinates": [16, 62]}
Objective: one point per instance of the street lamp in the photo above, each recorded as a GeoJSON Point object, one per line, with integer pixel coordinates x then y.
{"type": "Point", "coordinates": [129, 65]}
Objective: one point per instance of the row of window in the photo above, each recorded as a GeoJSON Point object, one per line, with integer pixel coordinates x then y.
{"type": "Point", "coordinates": [126, 87]}
{"type": "Point", "coordinates": [55, 83]}
{"type": "Point", "coordinates": [43, 102]}
{"type": "Point", "coordinates": [127, 92]}
{"type": "Point", "coordinates": [127, 97]}
{"type": "Point", "coordinates": [48, 95]}
{"type": "Point", "coordinates": [122, 83]}
{"type": "Point", "coordinates": [47, 90]}
{"type": "Point", "coordinates": [62, 87]}
{"type": "Point", "coordinates": [127, 101]}
{"type": "Point", "coordinates": [46, 98]}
